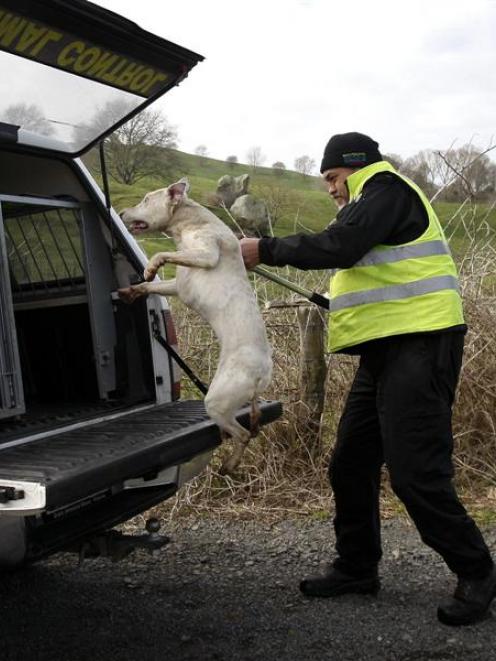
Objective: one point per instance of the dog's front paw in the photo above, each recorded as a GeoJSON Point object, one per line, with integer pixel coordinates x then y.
{"type": "Point", "coordinates": [129, 294]}
{"type": "Point", "coordinates": [149, 274]}
{"type": "Point", "coordinates": [152, 267]}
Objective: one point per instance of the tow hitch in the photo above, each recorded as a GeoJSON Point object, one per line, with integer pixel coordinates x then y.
{"type": "Point", "coordinates": [117, 546]}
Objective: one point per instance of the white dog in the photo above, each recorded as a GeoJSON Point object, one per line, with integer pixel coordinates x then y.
{"type": "Point", "coordinates": [211, 279]}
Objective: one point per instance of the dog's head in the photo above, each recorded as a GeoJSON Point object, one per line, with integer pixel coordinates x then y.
{"type": "Point", "coordinates": [156, 209]}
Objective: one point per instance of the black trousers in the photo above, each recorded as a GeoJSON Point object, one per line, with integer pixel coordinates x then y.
{"type": "Point", "coordinates": [398, 411]}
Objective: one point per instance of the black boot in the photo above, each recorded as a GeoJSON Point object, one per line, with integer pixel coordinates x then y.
{"type": "Point", "coordinates": [335, 583]}
{"type": "Point", "coordinates": [470, 601]}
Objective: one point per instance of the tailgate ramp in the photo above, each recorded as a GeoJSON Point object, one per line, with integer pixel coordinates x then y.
{"type": "Point", "coordinates": [74, 464]}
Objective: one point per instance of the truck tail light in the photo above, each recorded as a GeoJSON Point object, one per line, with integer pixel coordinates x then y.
{"type": "Point", "coordinates": [171, 337]}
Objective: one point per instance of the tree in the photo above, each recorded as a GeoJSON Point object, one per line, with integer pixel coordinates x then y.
{"type": "Point", "coordinates": [232, 161]}
{"type": "Point", "coordinates": [423, 168]}
{"type": "Point", "coordinates": [304, 165]}
{"type": "Point", "coordinates": [29, 117]}
{"type": "Point", "coordinates": [278, 168]}
{"type": "Point", "coordinates": [202, 152]}
{"type": "Point", "coordinates": [255, 157]}
{"type": "Point", "coordinates": [455, 173]}
{"type": "Point", "coordinates": [140, 148]}
{"type": "Point", "coordinates": [473, 170]}
{"type": "Point", "coordinates": [395, 160]}
{"type": "Point", "coordinates": [281, 201]}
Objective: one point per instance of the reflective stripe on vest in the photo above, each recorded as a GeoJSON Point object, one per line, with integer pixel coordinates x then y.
{"type": "Point", "coordinates": [391, 293]}
{"type": "Point", "coordinates": [396, 254]}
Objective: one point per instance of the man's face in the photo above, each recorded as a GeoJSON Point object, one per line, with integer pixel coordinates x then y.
{"type": "Point", "coordinates": [336, 182]}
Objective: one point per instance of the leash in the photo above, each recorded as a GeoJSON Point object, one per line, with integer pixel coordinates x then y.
{"type": "Point", "coordinates": [174, 355]}
{"type": "Point", "coordinates": [312, 296]}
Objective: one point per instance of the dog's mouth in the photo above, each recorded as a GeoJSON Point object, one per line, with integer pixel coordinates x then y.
{"type": "Point", "coordinates": [138, 226]}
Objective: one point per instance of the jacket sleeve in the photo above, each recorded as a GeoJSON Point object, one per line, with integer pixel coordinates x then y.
{"type": "Point", "coordinates": [380, 215]}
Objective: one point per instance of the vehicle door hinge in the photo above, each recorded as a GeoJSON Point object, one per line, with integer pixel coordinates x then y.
{"type": "Point", "coordinates": [8, 132]}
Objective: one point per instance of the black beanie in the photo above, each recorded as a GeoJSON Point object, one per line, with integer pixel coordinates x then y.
{"type": "Point", "coordinates": [350, 150]}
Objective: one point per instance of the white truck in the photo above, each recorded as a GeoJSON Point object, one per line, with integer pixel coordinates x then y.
{"type": "Point", "coordinates": [92, 426]}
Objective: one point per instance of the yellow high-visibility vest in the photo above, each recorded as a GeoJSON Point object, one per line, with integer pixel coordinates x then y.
{"type": "Point", "coordinates": [393, 290]}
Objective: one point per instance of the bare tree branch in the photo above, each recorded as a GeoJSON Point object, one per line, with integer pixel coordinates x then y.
{"type": "Point", "coordinates": [470, 191]}
{"type": "Point", "coordinates": [451, 181]}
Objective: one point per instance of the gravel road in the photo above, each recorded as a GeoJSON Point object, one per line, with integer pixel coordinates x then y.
{"type": "Point", "coordinates": [229, 590]}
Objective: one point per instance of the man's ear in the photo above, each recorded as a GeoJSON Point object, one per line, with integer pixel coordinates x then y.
{"type": "Point", "coordinates": [177, 192]}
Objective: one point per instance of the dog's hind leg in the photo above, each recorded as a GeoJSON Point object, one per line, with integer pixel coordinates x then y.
{"type": "Point", "coordinates": [240, 436]}
{"type": "Point", "coordinates": [222, 411]}
{"type": "Point", "coordinates": [231, 462]}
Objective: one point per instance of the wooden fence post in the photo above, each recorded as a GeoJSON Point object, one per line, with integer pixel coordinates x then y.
{"type": "Point", "coordinates": [312, 377]}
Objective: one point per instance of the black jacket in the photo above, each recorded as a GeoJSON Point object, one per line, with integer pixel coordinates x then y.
{"type": "Point", "coordinates": [388, 211]}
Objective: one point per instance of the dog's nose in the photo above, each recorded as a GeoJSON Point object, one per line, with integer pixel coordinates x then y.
{"type": "Point", "coordinates": [121, 213]}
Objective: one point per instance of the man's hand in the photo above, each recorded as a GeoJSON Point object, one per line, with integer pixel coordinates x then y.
{"type": "Point", "coordinates": [249, 252]}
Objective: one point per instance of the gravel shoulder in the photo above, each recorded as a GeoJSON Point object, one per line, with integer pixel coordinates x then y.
{"type": "Point", "coordinates": [229, 590]}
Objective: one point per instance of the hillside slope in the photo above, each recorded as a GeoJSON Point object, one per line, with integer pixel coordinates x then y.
{"type": "Point", "coordinates": [297, 202]}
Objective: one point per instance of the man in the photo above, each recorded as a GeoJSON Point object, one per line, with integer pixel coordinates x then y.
{"type": "Point", "coordinates": [394, 301]}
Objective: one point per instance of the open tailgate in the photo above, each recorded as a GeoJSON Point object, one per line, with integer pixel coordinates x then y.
{"type": "Point", "coordinates": [75, 464]}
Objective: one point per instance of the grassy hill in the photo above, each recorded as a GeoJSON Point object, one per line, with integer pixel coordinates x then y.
{"type": "Point", "coordinates": [302, 202]}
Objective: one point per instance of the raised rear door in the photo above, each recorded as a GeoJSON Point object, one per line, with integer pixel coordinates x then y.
{"type": "Point", "coordinates": [75, 71]}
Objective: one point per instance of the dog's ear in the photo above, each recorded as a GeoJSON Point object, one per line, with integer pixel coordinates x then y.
{"type": "Point", "coordinates": [177, 192]}
{"type": "Point", "coordinates": [185, 181]}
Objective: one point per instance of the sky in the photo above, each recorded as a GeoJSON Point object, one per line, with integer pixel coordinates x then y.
{"type": "Point", "coordinates": [285, 75]}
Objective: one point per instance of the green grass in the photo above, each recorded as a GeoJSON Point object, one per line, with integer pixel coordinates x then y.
{"type": "Point", "coordinates": [315, 209]}
{"type": "Point", "coordinates": [308, 206]}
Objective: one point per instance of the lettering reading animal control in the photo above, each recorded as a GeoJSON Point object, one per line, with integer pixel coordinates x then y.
{"type": "Point", "coordinates": [38, 42]}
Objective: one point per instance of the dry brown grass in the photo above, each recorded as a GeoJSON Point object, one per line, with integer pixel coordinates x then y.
{"type": "Point", "coordinates": [285, 469]}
